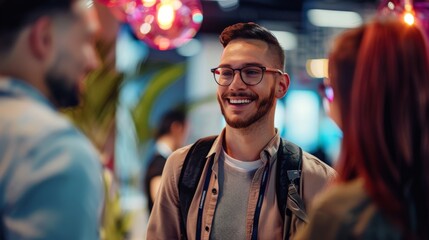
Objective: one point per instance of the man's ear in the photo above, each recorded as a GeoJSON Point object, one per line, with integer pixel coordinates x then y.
{"type": "Point", "coordinates": [41, 38]}
{"type": "Point", "coordinates": [283, 85]}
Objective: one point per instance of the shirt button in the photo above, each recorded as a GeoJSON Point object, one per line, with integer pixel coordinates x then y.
{"type": "Point", "coordinates": [207, 228]}
{"type": "Point", "coordinates": [214, 191]}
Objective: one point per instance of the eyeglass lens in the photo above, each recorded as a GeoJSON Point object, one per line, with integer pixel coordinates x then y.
{"type": "Point", "coordinates": [250, 75]}
{"type": "Point", "coordinates": [327, 92]}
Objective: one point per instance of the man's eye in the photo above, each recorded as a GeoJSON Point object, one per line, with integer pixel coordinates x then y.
{"type": "Point", "coordinates": [252, 71]}
{"type": "Point", "coordinates": [226, 73]}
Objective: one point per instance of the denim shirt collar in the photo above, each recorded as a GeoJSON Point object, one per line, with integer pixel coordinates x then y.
{"type": "Point", "coordinates": [18, 88]}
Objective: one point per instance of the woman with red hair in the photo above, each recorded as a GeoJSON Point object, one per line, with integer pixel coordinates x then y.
{"type": "Point", "coordinates": [379, 74]}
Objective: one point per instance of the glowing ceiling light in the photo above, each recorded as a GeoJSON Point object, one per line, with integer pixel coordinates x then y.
{"type": "Point", "coordinates": [408, 5]}
{"type": "Point", "coordinates": [197, 16]}
{"type": "Point", "coordinates": [163, 43]}
{"type": "Point", "coordinates": [287, 40]}
{"type": "Point", "coordinates": [334, 18]}
{"type": "Point", "coordinates": [409, 18]}
{"type": "Point", "coordinates": [408, 15]}
{"type": "Point", "coordinates": [228, 4]}
{"type": "Point", "coordinates": [148, 3]}
{"type": "Point", "coordinates": [145, 28]}
{"type": "Point", "coordinates": [170, 23]}
{"type": "Point", "coordinates": [177, 4]}
{"type": "Point", "coordinates": [165, 16]}
{"type": "Point", "coordinates": [149, 18]}
{"type": "Point", "coordinates": [317, 68]}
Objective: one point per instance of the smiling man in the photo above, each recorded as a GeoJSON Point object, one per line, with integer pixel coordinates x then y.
{"type": "Point", "coordinates": [236, 195]}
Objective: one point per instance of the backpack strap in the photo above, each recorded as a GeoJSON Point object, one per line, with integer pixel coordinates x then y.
{"type": "Point", "coordinates": [289, 165]}
{"type": "Point", "coordinates": [289, 157]}
{"type": "Point", "coordinates": [190, 176]}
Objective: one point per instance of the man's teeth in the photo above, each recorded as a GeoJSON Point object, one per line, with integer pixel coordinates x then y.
{"type": "Point", "coordinates": [239, 101]}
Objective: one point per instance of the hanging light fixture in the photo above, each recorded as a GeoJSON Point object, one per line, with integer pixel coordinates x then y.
{"type": "Point", "coordinates": [410, 11]}
{"type": "Point", "coordinates": [408, 15]}
{"type": "Point", "coordinates": [164, 24]}
{"type": "Point", "coordinates": [403, 9]}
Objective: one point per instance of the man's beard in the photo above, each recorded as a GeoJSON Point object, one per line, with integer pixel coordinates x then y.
{"type": "Point", "coordinates": [264, 107]}
{"type": "Point", "coordinates": [62, 93]}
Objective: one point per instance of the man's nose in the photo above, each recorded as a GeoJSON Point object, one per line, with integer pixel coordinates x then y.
{"type": "Point", "coordinates": [237, 82]}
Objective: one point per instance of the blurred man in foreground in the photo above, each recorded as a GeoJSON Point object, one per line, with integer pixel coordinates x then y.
{"type": "Point", "coordinates": [50, 177]}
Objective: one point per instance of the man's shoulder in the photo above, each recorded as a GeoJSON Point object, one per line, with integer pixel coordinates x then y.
{"type": "Point", "coordinates": [59, 133]}
{"type": "Point", "coordinates": [29, 117]}
{"type": "Point", "coordinates": [176, 160]}
{"type": "Point", "coordinates": [315, 176]}
{"type": "Point", "coordinates": [313, 165]}
{"type": "Point", "coordinates": [39, 128]}
{"type": "Point", "coordinates": [174, 164]}
{"type": "Point", "coordinates": [180, 153]}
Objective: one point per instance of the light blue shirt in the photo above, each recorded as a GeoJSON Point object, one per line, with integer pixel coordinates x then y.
{"type": "Point", "coordinates": [50, 175]}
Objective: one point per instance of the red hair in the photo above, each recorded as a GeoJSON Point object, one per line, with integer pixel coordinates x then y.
{"type": "Point", "coordinates": [385, 118]}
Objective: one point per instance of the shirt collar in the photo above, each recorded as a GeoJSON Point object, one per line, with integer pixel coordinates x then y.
{"type": "Point", "coordinates": [163, 149]}
{"type": "Point", "coordinates": [217, 145]}
{"type": "Point", "coordinates": [273, 145]}
{"type": "Point", "coordinates": [19, 88]}
{"type": "Point", "coordinates": [270, 149]}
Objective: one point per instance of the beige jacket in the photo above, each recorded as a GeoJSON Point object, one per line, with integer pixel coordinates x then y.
{"type": "Point", "coordinates": [164, 222]}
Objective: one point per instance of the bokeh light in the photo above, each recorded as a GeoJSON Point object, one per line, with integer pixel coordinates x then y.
{"type": "Point", "coordinates": [410, 11]}
{"type": "Point", "coordinates": [409, 18]}
{"type": "Point", "coordinates": [164, 24]}
{"type": "Point", "coordinates": [391, 7]}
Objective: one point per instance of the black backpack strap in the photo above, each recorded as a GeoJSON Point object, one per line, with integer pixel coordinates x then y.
{"type": "Point", "coordinates": [190, 176]}
{"type": "Point", "coordinates": [289, 157]}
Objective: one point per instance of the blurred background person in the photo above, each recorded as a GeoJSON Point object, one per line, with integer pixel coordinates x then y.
{"type": "Point", "coordinates": [170, 135]}
{"type": "Point", "coordinates": [50, 178]}
{"type": "Point", "coordinates": [380, 81]}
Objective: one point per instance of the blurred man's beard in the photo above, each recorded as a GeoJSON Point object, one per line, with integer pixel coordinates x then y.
{"type": "Point", "coordinates": [264, 106]}
{"type": "Point", "coordinates": [62, 94]}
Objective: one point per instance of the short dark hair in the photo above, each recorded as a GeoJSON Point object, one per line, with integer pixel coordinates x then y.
{"type": "Point", "coordinates": [170, 117]}
{"type": "Point", "coordinates": [15, 15]}
{"type": "Point", "coordinates": [252, 30]}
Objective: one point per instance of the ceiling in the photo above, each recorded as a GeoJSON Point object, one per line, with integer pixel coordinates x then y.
{"type": "Point", "coordinates": [290, 12]}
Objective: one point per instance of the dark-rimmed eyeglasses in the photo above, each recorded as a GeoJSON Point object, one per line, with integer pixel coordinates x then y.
{"type": "Point", "coordinates": [250, 75]}
{"type": "Point", "coordinates": [326, 91]}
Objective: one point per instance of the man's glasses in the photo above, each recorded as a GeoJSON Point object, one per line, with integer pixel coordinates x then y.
{"type": "Point", "coordinates": [326, 91]}
{"type": "Point", "coordinates": [251, 75]}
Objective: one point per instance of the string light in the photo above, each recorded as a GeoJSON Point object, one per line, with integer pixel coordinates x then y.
{"type": "Point", "coordinates": [409, 18]}
{"type": "Point", "coordinates": [165, 16]}
{"type": "Point", "coordinates": [402, 9]}
{"type": "Point", "coordinates": [409, 12]}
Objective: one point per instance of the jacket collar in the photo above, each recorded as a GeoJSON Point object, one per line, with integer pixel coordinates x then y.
{"type": "Point", "coordinates": [20, 89]}
{"type": "Point", "coordinates": [270, 149]}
